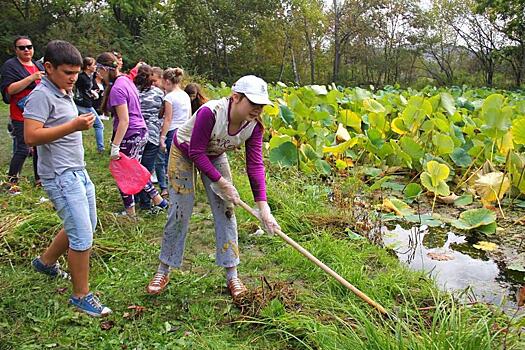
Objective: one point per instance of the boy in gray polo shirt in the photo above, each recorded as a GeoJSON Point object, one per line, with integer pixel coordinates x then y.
{"type": "Point", "coordinates": [51, 123]}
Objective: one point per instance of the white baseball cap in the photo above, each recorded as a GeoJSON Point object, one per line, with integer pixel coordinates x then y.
{"type": "Point", "coordinates": [255, 89]}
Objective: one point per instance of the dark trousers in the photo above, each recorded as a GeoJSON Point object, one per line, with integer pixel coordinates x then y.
{"type": "Point", "coordinates": [149, 155]}
{"type": "Point", "coordinates": [20, 153]}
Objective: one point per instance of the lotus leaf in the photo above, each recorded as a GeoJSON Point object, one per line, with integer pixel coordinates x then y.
{"type": "Point", "coordinates": [286, 114]}
{"type": "Point", "coordinates": [448, 103]}
{"type": "Point", "coordinates": [350, 118]}
{"type": "Point", "coordinates": [464, 200]}
{"type": "Point", "coordinates": [461, 158]}
{"type": "Point", "coordinates": [518, 131]}
{"type": "Point", "coordinates": [373, 106]}
{"type": "Point", "coordinates": [474, 218]}
{"type": "Point", "coordinates": [397, 206]}
{"type": "Point", "coordinates": [285, 154]}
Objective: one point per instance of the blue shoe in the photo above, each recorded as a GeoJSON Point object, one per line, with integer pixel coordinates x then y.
{"type": "Point", "coordinates": [53, 271]}
{"type": "Point", "coordinates": [90, 305]}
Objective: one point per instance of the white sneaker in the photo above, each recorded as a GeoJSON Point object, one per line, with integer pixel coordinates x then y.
{"type": "Point", "coordinates": [103, 117]}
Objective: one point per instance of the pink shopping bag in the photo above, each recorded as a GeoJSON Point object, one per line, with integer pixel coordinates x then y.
{"type": "Point", "coordinates": [129, 174]}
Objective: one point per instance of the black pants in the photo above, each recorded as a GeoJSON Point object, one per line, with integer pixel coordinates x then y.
{"type": "Point", "coordinates": [20, 153]}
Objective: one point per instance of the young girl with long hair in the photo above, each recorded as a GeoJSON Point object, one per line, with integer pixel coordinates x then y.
{"type": "Point", "coordinates": [85, 96]}
{"type": "Point", "coordinates": [201, 143]}
{"type": "Point", "coordinates": [196, 96]}
{"type": "Point", "coordinates": [151, 100]}
{"type": "Point", "coordinates": [121, 99]}
{"type": "Point", "coordinates": [177, 107]}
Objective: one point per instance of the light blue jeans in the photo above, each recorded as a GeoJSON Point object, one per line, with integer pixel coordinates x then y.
{"type": "Point", "coordinates": [73, 195]}
{"type": "Point", "coordinates": [98, 126]}
{"type": "Point", "coordinates": [181, 174]}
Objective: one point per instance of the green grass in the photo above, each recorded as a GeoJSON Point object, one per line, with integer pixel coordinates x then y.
{"type": "Point", "coordinates": [196, 312]}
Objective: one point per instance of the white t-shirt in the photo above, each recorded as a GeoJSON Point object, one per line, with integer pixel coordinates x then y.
{"type": "Point", "coordinates": [180, 106]}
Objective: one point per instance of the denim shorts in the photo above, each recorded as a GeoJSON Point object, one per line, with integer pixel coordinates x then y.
{"type": "Point", "coordinates": [73, 195]}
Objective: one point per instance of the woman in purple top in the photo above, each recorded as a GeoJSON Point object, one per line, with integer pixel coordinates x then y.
{"type": "Point", "coordinates": [200, 143]}
{"type": "Point", "coordinates": [129, 128]}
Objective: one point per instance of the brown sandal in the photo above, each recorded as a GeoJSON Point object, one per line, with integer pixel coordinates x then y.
{"type": "Point", "coordinates": [236, 287]}
{"type": "Point", "coordinates": [158, 283]}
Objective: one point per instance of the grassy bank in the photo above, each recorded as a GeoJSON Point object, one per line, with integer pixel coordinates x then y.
{"type": "Point", "coordinates": [293, 306]}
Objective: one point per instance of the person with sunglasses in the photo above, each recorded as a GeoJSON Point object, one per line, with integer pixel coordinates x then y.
{"type": "Point", "coordinates": [201, 143]}
{"type": "Point", "coordinates": [20, 75]}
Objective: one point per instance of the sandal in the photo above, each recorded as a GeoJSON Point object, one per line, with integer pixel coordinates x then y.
{"type": "Point", "coordinates": [236, 287]}
{"type": "Point", "coordinates": [158, 283]}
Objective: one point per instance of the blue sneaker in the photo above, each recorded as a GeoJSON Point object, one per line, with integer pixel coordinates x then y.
{"type": "Point", "coordinates": [53, 271]}
{"type": "Point", "coordinates": [90, 305]}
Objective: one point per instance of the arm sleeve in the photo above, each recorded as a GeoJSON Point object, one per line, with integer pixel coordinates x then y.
{"type": "Point", "coordinates": [255, 164]}
{"type": "Point", "coordinates": [37, 107]}
{"type": "Point", "coordinates": [200, 137]}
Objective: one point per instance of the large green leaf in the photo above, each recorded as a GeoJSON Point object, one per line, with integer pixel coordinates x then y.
{"type": "Point", "coordinates": [494, 114]}
{"type": "Point", "coordinates": [286, 114]}
{"type": "Point", "coordinates": [518, 131]}
{"type": "Point", "coordinates": [278, 140]}
{"type": "Point", "coordinates": [474, 218]}
{"type": "Point", "coordinates": [411, 147]}
{"type": "Point", "coordinates": [285, 154]}
{"type": "Point", "coordinates": [460, 157]}
{"type": "Point", "coordinates": [448, 103]}
{"type": "Point", "coordinates": [373, 106]}
{"type": "Point", "coordinates": [350, 118]}
{"type": "Point", "coordinates": [444, 144]}
{"type": "Point", "coordinates": [434, 178]}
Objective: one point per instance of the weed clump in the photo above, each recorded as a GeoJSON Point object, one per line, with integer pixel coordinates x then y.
{"type": "Point", "coordinates": [255, 301]}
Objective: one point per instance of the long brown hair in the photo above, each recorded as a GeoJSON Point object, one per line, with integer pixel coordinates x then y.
{"type": "Point", "coordinates": [109, 62]}
{"type": "Point", "coordinates": [199, 100]}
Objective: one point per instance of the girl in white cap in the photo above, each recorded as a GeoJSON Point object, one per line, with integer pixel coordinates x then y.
{"type": "Point", "coordinates": [218, 126]}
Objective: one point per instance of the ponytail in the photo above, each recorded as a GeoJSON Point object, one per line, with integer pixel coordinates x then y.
{"type": "Point", "coordinates": [108, 61]}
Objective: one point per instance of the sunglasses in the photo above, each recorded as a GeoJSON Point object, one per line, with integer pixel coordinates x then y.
{"type": "Point", "coordinates": [24, 47]}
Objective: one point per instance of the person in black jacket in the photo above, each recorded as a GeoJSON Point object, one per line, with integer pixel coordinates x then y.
{"type": "Point", "coordinates": [85, 95]}
{"type": "Point", "coordinates": [20, 75]}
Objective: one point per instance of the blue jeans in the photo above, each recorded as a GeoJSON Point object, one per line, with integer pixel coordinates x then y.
{"type": "Point", "coordinates": [98, 126]}
{"type": "Point", "coordinates": [160, 169]}
{"type": "Point", "coordinates": [149, 156]}
{"type": "Point", "coordinates": [73, 195]}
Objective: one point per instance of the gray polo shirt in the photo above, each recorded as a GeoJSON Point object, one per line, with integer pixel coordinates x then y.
{"type": "Point", "coordinates": [47, 104]}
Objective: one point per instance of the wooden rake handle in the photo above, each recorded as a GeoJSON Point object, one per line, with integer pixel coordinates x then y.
{"type": "Point", "coordinates": [319, 263]}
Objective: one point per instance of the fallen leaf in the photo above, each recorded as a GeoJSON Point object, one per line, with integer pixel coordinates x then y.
{"type": "Point", "coordinates": [399, 207]}
{"type": "Point", "coordinates": [61, 290]}
{"type": "Point", "coordinates": [440, 256]}
{"type": "Point", "coordinates": [342, 134]}
{"type": "Point", "coordinates": [485, 246]}
{"type": "Point", "coordinates": [521, 296]}
{"type": "Point", "coordinates": [450, 199]}
{"type": "Point", "coordinates": [136, 311]}
{"type": "Point", "coordinates": [107, 325]}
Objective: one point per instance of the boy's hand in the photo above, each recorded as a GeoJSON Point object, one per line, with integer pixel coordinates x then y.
{"type": "Point", "coordinates": [84, 121]}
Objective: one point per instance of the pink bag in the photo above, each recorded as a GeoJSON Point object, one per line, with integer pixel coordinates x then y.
{"type": "Point", "coordinates": [129, 174]}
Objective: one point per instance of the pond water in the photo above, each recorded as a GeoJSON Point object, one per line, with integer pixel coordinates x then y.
{"type": "Point", "coordinates": [455, 264]}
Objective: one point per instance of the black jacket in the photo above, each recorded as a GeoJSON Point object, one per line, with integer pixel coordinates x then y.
{"type": "Point", "coordinates": [11, 72]}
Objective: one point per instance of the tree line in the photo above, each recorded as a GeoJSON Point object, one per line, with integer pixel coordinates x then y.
{"type": "Point", "coordinates": [350, 42]}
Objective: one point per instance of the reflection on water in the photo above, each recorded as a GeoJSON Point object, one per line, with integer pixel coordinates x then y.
{"type": "Point", "coordinates": [457, 271]}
